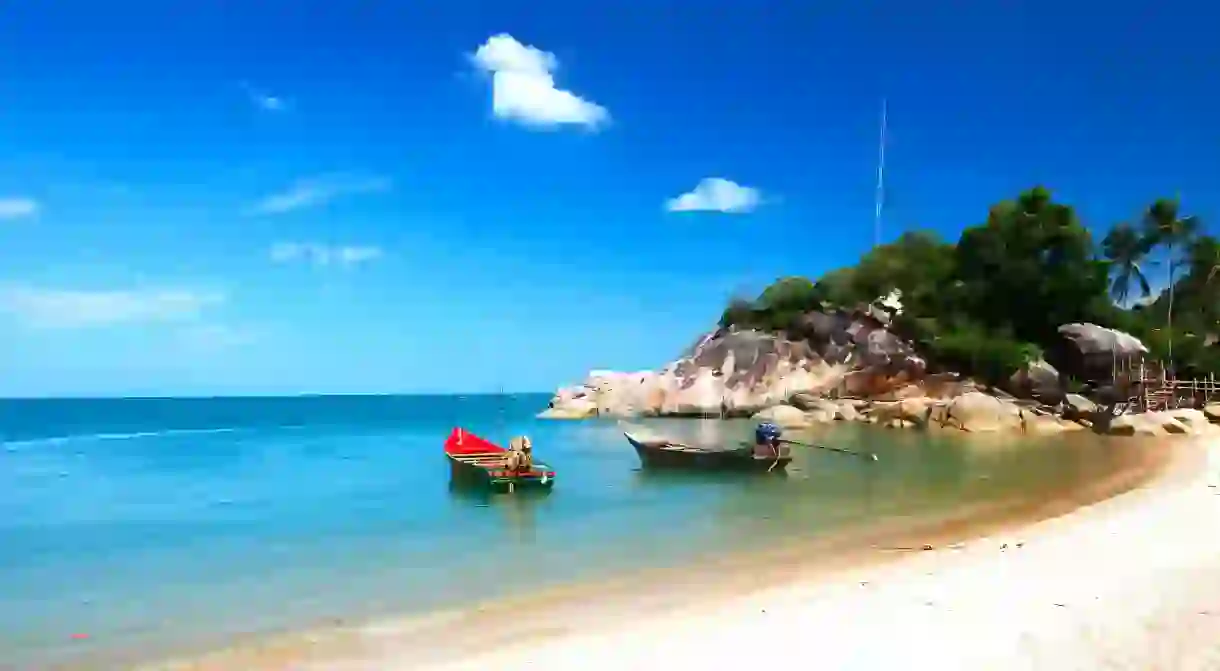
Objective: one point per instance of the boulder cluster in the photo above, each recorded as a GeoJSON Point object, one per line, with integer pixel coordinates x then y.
{"type": "Point", "coordinates": [849, 366]}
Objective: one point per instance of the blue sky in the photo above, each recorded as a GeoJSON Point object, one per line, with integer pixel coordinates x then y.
{"type": "Point", "coordinates": [288, 197]}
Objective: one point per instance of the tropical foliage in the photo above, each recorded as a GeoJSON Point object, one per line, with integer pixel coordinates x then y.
{"type": "Point", "coordinates": [996, 298]}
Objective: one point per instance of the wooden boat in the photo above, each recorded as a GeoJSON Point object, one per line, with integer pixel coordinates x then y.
{"type": "Point", "coordinates": [475, 461]}
{"type": "Point", "coordinates": [664, 453]}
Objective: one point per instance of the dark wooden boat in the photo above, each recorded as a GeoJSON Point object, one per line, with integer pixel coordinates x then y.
{"type": "Point", "coordinates": [664, 453]}
{"type": "Point", "coordinates": [479, 462]}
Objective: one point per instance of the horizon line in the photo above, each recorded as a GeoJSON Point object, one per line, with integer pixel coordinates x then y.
{"type": "Point", "coordinates": [206, 397]}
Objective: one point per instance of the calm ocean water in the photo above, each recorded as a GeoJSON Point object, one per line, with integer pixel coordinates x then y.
{"type": "Point", "coordinates": [160, 525]}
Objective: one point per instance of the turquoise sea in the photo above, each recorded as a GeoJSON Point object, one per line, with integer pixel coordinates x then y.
{"type": "Point", "coordinates": [136, 528]}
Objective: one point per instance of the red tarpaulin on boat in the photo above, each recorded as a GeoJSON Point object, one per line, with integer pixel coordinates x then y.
{"type": "Point", "coordinates": [461, 441]}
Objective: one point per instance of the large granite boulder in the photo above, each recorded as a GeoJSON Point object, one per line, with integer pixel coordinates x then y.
{"type": "Point", "coordinates": [736, 373]}
{"type": "Point", "coordinates": [1186, 421]}
{"type": "Point", "coordinates": [1038, 380]}
{"type": "Point", "coordinates": [571, 409]}
{"type": "Point", "coordinates": [833, 354]}
{"type": "Point", "coordinates": [977, 412]}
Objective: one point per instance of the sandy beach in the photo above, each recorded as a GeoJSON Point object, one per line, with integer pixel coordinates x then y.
{"type": "Point", "coordinates": [1130, 583]}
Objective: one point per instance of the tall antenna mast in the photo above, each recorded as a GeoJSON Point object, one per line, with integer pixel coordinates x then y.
{"type": "Point", "coordinates": [880, 176]}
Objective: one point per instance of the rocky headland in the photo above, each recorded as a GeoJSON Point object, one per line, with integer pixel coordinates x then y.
{"type": "Point", "coordinates": [1024, 323]}
{"type": "Point", "coordinates": [848, 365]}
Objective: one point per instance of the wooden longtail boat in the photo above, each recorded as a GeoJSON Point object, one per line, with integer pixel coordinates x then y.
{"type": "Point", "coordinates": [663, 453]}
{"type": "Point", "coordinates": [475, 461]}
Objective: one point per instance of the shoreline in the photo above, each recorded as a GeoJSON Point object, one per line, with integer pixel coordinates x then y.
{"type": "Point", "coordinates": [553, 616]}
{"type": "Point", "coordinates": [1129, 582]}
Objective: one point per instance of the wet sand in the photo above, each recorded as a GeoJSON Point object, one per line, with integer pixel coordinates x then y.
{"type": "Point", "coordinates": [784, 594]}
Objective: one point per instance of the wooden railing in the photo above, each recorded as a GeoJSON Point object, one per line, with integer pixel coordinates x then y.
{"type": "Point", "coordinates": [1160, 392]}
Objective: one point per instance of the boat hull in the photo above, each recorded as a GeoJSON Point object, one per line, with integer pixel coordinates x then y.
{"type": "Point", "coordinates": [498, 479]}
{"type": "Point", "coordinates": [654, 455]}
{"type": "Point", "coordinates": [474, 462]}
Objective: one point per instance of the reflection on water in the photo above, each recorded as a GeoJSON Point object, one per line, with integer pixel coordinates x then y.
{"type": "Point", "coordinates": [918, 474]}
{"type": "Point", "coordinates": [518, 512]}
{"type": "Point", "coordinates": [671, 477]}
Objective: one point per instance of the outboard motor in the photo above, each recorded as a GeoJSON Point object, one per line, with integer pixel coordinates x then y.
{"type": "Point", "coordinates": [767, 434]}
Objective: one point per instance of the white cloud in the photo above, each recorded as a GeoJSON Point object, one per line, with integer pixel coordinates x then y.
{"type": "Point", "coordinates": [324, 255]}
{"type": "Point", "coordinates": [318, 191]}
{"type": "Point", "coordinates": [17, 208]}
{"type": "Point", "coordinates": [264, 100]}
{"type": "Point", "coordinates": [523, 86]}
{"type": "Point", "coordinates": [68, 309]}
{"type": "Point", "coordinates": [715, 194]}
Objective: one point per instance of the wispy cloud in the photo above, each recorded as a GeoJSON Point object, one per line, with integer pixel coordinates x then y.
{"type": "Point", "coordinates": [318, 191]}
{"type": "Point", "coordinates": [715, 194]}
{"type": "Point", "coordinates": [324, 255]}
{"type": "Point", "coordinates": [18, 208]}
{"type": "Point", "coordinates": [263, 100]}
{"type": "Point", "coordinates": [523, 86]}
{"type": "Point", "coordinates": [74, 308]}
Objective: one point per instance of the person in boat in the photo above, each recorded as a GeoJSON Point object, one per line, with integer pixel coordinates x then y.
{"type": "Point", "coordinates": [520, 455]}
{"type": "Point", "coordinates": [768, 441]}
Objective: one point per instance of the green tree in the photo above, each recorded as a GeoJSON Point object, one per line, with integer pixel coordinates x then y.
{"type": "Point", "coordinates": [1125, 248]}
{"type": "Point", "coordinates": [1197, 293]}
{"type": "Point", "coordinates": [1164, 226]}
{"type": "Point", "coordinates": [1204, 260]}
{"type": "Point", "coordinates": [995, 299]}
{"type": "Point", "coordinates": [790, 294]}
{"type": "Point", "coordinates": [740, 312]}
{"type": "Point", "coordinates": [1030, 268]}
{"type": "Point", "coordinates": [918, 264]}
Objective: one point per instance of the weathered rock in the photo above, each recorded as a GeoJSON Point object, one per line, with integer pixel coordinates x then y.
{"type": "Point", "coordinates": [1212, 411]}
{"type": "Point", "coordinates": [1076, 406]}
{"type": "Point", "coordinates": [938, 415]}
{"type": "Point", "coordinates": [979, 413]}
{"type": "Point", "coordinates": [1190, 422]}
{"type": "Point", "coordinates": [573, 409]}
{"type": "Point", "coordinates": [1048, 425]}
{"type": "Point", "coordinates": [847, 412]}
{"type": "Point", "coordinates": [784, 416]}
{"type": "Point", "coordinates": [1135, 425]}
{"type": "Point", "coordinates": [1037, 380]}
{"type": "Point", "coordinates": [739, 372]}
{"type": "Point", "coordinates": [1195, 421]}
{"type": "Point", "coordinates": [945, 385]}
{"type": "Point", "coordinates": [910, 411]}
{"type": "Point", "coordinates": [806, 401]}
{"type": "Point", "coordinates": [822, 415]}
{"type": "Point", "coordinates": [787, 379]}
{"type": "Point", "coordinates": [816, 406]}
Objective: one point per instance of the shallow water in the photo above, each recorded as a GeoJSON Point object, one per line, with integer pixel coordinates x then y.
{"type": "Point", "coordinates": [164, 525]}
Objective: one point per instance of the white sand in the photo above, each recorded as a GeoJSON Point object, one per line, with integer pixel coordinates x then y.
{"type": "Point", "coordinates": [1131, 583]}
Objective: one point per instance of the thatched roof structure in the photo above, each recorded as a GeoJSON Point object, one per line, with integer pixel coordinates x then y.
{"type": "Point", "coordinates": [1092, 339]}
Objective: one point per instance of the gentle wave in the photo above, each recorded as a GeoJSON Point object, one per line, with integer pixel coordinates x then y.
{"type": "Point", "coordinates": [136, 435]}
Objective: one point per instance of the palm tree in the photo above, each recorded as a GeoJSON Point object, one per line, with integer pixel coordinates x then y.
{"type": "Point", "coordinates": [1203, 260]}
{"type": "Point", "coordinates": [1126, 249]}
{"type": "Point", "coordinates": [1163, 226]}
